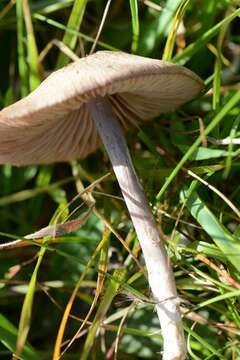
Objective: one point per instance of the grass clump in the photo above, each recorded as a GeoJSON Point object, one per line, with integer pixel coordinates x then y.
{"type": "Point", "coordinates": [189, 164]}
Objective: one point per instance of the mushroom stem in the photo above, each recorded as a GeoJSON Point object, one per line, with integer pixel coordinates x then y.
{"type": "Point", "coordinates": [160, 275]}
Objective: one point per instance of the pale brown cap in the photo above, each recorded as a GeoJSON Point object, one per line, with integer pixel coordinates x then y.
{"type": "Point", "coordinates": [53, 122]}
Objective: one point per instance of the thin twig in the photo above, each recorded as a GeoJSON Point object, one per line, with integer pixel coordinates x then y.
{"type": "Point", "coordinates": [218, 192]}
{"type": "Point", "coordinates": [100, 27]}
{"type": "Point", "coordinates": [61, 46]}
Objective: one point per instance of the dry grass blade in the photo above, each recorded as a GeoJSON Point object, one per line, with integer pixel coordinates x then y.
{"type": "Point", "coordinates": [60, 229]}
{"type": "Point", "coordinates": [58, 343]}
{"type": "Point", "coordinates": [103, 262]}
{"type": "Point", "coordinates": [101, 26]}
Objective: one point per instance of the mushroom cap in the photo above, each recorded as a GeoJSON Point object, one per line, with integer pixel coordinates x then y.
{"type": "Point", "coordinates": [53, 122]}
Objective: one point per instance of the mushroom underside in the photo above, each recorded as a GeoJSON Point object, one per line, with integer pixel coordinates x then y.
{"type": "Point", "coordinates": [59, 134]}
{"type": "Point", "coordinates": [73, 135]}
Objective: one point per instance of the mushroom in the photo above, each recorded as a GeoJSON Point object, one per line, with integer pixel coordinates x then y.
{"type": "Point", "coordinates": [95, 98]}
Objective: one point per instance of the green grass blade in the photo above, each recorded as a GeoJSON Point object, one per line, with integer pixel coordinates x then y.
{"type": "Point", "coordinates": [204, 343]}
{"type": "Point", "coordinates": [31, 193]}
{"type": "Point", "coordinates": [74, 23]}
{"type": "Point", "coordinates": [34, 76]}
{"type": "Point", "coordinates": [154, 34]}
{"type": "Point", "coordinates": [8, 337]}
{"type": "Point", "coordinates": [225, 296]}
{"type": "Point", "coordinates": [22, 65]}
{"type": "Point", "coordinates": [206, 153]}
{"type": "Point", "coordinates": [50, 6]}
{"type": "Point", "coordinates": [216, 120]}
{"type": "Point", "coordinates": [228, 162]}
{"type": "Point", "coordinates": [220, 235]}
{"type": "Point", "coordinates": [191, 49]}
{"type": "Point", "coordinates": [217, 81]}
{"type": "Point", "coordinates": [218, 72]}
{"type": "Point", "coordinates": [135, 24]}
{"type": "Point", "coordinates": [112, 289]}
{"type": "Point", "coordinates": [76, 33]}
{"type": "Point", "coordinates": [25, 319]}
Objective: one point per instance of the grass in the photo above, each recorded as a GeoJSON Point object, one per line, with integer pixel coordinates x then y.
{"type": "Point", "coordinates": [86, 293]}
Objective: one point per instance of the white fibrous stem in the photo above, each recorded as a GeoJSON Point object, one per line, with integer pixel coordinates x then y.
{"type": "Point", "coordinates": [160, 275]}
